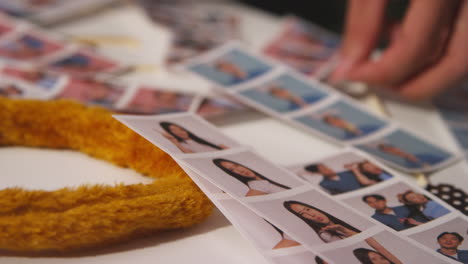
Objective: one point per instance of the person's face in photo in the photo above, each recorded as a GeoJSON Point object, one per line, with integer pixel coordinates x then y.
{"type": "Point", "coordinates": [325, 171]}
{"type": "Point", "coordinates": [229, 68]}
{"type": "Point", "coordinates": [310, 213]}
{"type": "Point", "coordinates": [449, 241]}
{"type": "Point", "coordinates": [415, 198]}
{"type": "Point", "coordinates": [370, 167]}
{"type": "Point", "coordinates": [336, 121]}
{"type": "Point", "coordinates": [179, 132]}
{"type": "Point", "coordinates": [280, 92]}
{"type": "Point", "coordinates": [376, 204]}
{"type": "Point", "coordinates": [238, 169]}
{"type": "Point", "coordinates": [396, 151]}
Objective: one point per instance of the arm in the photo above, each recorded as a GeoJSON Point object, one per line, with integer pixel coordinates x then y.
{"type": "Point", "coordinates": [253, 192]}
{"type": "Point", "coordinates": [379, 248]}
{"type": "Point", "coordinates": [361, 178]}
{"type": "Point", "coordinates": [223, 146]}
{"type": "Point", "coordinates": [286, 243]}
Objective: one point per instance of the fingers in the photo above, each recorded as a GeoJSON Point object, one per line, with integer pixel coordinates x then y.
{"type": "Point", "coordinates": [419, 42]}
{"type": "Point", "coordinates": [364, 22]}
{"type": "Point", "coordinates": [449, 71]}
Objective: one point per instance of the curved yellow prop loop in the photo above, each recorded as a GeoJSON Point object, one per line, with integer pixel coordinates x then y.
{"type": "Point", "coordinates": [90, 216]}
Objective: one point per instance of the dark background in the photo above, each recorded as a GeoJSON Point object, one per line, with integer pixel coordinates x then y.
{"type": "Point", "coordinates": [327, 13]}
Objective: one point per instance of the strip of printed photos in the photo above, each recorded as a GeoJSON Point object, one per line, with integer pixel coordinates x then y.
{"type": "Point", "coordinates": [338, 209]}
{"type": "Point", "coordinates": [35, 63]}
{"type": "Point", "coordinates": [314, 107]}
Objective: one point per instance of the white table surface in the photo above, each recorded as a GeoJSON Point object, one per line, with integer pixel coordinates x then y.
{"type": "Point", "coordinates": [215, 240]}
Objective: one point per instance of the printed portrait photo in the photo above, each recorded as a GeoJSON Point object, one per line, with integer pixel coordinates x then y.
{"type": "Point", "coordinates": [398, 206]}
{"type": "Point", "coordinates": [447, 239]}
{"type": "Point", "coordinates": [285, 93]}
{"type": "Point", "coordinates": [153, 100]}
{"type": "Point", "coordinates": [82, 62]}
{"type": "Point", "coordinates": [264, 235]}
{"type": "Point", "coordinates": [33, 76]}
{"type": "Point", "coordinates": [28, 47]}
{"type": "Point", "coordinates": [341, 173]}
{"type": "Point", "coordinates": [342, 121]}
{"type": "Point", "coordinates": [243, 173]}
{"type": "Point", "coordinates": [302, 46]}
{"type": "Point", "coordinates": [92, 91]}
{"type": "Point", "coordinates": [299, 258]}
{"type": "Point", "coordinates": [210, 107]}
{"type": "Point", "coordinates": [179, 133]}
{"type": "Point", "coordinates": [232, 68]}
{"type": "Point", "coordinates": [312, 217]}
{"type": "Point", "coordinates": [406, 151]}
{"type": "Point", "coordinates": [382, 248]}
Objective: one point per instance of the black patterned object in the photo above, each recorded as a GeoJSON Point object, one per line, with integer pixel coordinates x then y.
{"type": "Point", "coordinates": [451, 195]}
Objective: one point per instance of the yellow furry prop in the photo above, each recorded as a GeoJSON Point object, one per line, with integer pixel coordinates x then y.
{"type": "Point", "coordinates": [90, 216]}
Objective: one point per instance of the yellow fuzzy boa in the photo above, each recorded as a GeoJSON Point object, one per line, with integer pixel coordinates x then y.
{"type": "Point", "coordinates": [90, 216]}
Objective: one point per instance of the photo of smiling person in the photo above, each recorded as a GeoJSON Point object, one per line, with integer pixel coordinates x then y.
{"type": "Point", "coordinates": [186, 141]}
{"type": "Point", "coordinates": [285, 93]}
{"type": "Point", "coordinates": [232, 68]}
{"type": "Point", "coordinates": [342, 121]}
{"type": "Point", "coordinates": [406, 151]}
{"type": "Point", "coordinates": [449, 243]}
{"type": "Point", "coordinates": [257, 183]}
{"type": "Point", "coordinates": [327, 227]}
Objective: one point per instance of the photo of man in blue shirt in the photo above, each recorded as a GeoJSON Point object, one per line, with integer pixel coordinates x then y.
{"type": "Point", "coordinates": [449, 243]}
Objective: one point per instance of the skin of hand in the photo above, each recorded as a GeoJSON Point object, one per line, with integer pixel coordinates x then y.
{"type": "Point", "coordinates": [340, 228]}
{"type": "Point", "coordinates": [253, 192]}
{"type": "Point", "coordinates": [426, 54]}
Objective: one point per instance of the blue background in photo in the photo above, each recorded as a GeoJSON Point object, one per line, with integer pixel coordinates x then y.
{"type": "Point", "coordinates": [297, 87]}
{"type": "Point", "coordinates": [461, 134]}
{"type": "Point", "coordinates": [247, 63]}
{"type": "Point", "coordinates": [424, 151]}
{"type": "Point", "coordinates": [362, 120]}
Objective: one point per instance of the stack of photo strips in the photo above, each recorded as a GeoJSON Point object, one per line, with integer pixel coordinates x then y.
{"type": "Point", "coordinates": [35, 63]}
{"type": "Point", "coordinates": [313, 106]}
{"type": "Point", "coordinates": [344, 208]}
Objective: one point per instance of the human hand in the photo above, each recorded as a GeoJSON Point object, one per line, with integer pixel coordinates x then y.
{"type": "Point", "coordinates": [339, 228]}
{"type": "Point", "coordinates": [426, 54]}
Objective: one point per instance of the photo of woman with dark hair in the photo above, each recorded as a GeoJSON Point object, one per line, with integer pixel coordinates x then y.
{"type": "Point", "coordinates": [257, 183]}
{"type": "Point", "coordinates": [378, 256]}
{"type": "Point", "coordinates": [186, 141]}
{"type": "Point", "coordinates": [327, 227]}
